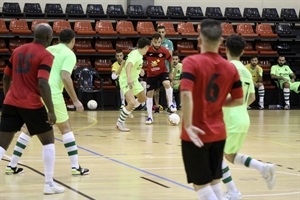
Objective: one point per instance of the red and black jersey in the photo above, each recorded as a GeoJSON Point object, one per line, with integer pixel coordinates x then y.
{"type": "Point", "coordinates": [156, 61]}
{"type": "Point", "coordinates": [210, 78]}
{"type": "Point", "coordinates": [26, 65]}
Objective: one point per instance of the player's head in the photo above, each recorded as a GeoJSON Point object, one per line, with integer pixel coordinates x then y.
{"type": "Point", "coordinates": [119, 55]}
{"type": "Point", "coordinates": [254, 60]}
{"type": "Point", "coordinates": [162, 31]}
{"type": "Point", "coordinates": [235, 45]}
{"type": "Point", "coordinates": [210, 34]}
{"type": "Point", "coordinates": [43, 33]}
{"type": "Point", "coordinates": [175, 58]}
{"type": "Point", "coordinates": [67, 36]}
{"type": "Point", "coordinates": [156, 40]}
{"type": "Point", "coordinates": [281, 61]}
{"type": "Point", "coordinates": [143, 45]}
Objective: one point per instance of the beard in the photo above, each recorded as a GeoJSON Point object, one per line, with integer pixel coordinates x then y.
{"type": "Point", "coordinates": [280, 64]}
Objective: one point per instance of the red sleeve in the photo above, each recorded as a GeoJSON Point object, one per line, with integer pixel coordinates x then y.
{"type": "Point", "coordinates": [8, 69]}
{"type": "Point", "coordinates": [187, 77]}
{"type": "Point", "coordinates": [168, 55]}
{"type": "Point", "coordinates": [45, 66]}
{"type": "Point", "coordinates": [236, 89]}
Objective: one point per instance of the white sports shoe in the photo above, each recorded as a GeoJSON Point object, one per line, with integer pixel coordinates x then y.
{"type": "Point", "coordinates": [53, 189]}
{"type": "Point", "coordinates": [269, 175]}
{"type": "Point", "coordinates": [149, 121]}
{"type": "Point", "coordinates": [130, 116]}
{"type": "Point", "coordinates": [122, 127]}
{"type": "Point", "coordinates": [232, 195]}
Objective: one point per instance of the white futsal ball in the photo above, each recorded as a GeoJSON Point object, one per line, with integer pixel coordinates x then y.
{"type": "Point", "coordinates": [174, 119]}
{"type": "Point", "coordinates": [92, 104]}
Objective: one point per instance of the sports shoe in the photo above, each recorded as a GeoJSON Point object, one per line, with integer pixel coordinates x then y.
{"type": "Point", "coordinates": [248, 108]}
{"type": "Point", "coordinates": [121, 127]}
{"type": "Point", "coordinates": [232, 195]}
{"type": "Point", "coordinates": [156, 110]}
{"type": "Point", "coordinates": [80, 171]}
{"type": "Point", "coordinates": [269, 175]}
{"type": "Point", "coordinates": [172, 109]}
{"type": "Point", "coordinates": [149, 121]}
{"type": "Point", "coordinates": [53, 189]}
{"type": "Point", "coordinates": [13, 170]}
{"type": "Point", "coordinates": [261, 106]}
{"type": "Point", "coordinates": [287, 107]}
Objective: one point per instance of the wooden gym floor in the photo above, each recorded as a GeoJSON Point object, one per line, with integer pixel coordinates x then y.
{"type": "Point", "coordinates": [146, 163]}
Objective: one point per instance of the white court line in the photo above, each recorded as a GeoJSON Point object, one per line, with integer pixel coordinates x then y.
{"type": "Point", "coordinates": [269, 195]}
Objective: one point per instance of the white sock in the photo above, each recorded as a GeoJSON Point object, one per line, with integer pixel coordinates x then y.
{"type": "Point", "coordinates": [206, 193]}
{"type": "Point", "coordinates": [49, 159]}
{"type": "Point", "coordinates": [149, 107]}
{"type": "Point", "coordinates": [286, 95]}
{"type": "Point", "coordinates": [248, 162]}
{"type": "Point", "coordinates": [21, 144]}
{"type": "Point", "coordinates": [261, 94]}
{"type": "Point", "coordinates": [2, 152]}
{"type": "Point", "coordinates": [123, 115]}
{"type": "Point", "coordinates": [70, 145]}
{"type": "Point", "coordinates": [169, 94]}
{"type": "Point", "coordinates": [227, 179]}
{"type": "Point", "coordinates": [217, 190]}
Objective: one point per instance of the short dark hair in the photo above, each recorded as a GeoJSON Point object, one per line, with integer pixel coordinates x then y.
{"type": "Point", "coordinates": [161, 27]}
{"type": "Point", "coordinates": [211, 29]}
{"type": "Point", "coordinates": [156, 36]}
{"type": "Point", "coordinates": [175, 54]}
{"type": "Point", "coordinates": [142, 42]}
{"type": "Point", "coordinates": [118, 50]}
{"type": "Point", "coordinates": [253, 56]}
{"type": "Point", "coordinates": [235, 44]}
{"type": "Point", "coordinates": [66, 35]}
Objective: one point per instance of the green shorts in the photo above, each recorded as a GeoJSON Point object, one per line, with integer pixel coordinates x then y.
{"type": "Point", "coordinates": [136, 89]}
{"type": "Point", "coordinates": [293, 86]}
{"type": "Point", "coordinates": [234, 142]}
{"type": "Point", "coordinates": [61, 112]}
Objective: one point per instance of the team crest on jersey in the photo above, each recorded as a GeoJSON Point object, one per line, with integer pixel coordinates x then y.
{"type": "Point", "coordinates": [160, 55]}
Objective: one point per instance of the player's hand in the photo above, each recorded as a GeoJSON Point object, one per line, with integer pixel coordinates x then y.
{"type": "Point", "coordinates": [171, 76]}
{"type": "Point", "coordinates": [51, 118]}
{"type": "Point", "coordinates": [78, 105]}
{"type": "Point", "coordinates": [130, 83]}
{"type": "Point", "coordinates": [292, 80]}
{"type": "Point", "coordinates": [193, 133]}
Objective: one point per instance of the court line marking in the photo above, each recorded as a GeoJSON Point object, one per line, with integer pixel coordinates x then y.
{"type": "Point", "coordinates": [144, 171]}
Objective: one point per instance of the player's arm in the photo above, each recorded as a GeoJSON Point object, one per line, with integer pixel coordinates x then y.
{"type": "Point", "coordinates": [274, 76]}
{"type": "Point", "coordinates": [121, 67]}
{"type": "Point", "coordinates": [68, 84]}
{"type": "Point", "coordinates": [45, 92]}
{"type": "Point", "coordinates": [293, 77]}
{"type": "Point", "coordinates": [6, 79]}
{"type": "Point", "coordinates": [6, 83]}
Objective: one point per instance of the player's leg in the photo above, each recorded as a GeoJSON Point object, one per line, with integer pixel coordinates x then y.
{"type": "Point", "coordinates": [19, 148]}
{"type": "Point", "coordinates": [11, 122]}
{"type": "Point", "coordinates": [169, 92]}
{"type": "Point", "coordinates": [156, 98]}
{"type": "Point", "coordinates": [233, 144]}
{"type": "Point", "coordinates": [261, 94]}
{"type": "Point", "coordinates": [122, 97]}
{"type": "Point", "coordinates": [286, 94]}
{"type": "Point", "coordinates": [139, 91]}
{"type": "Point", "coordinates": [35, 121]}
{"type": "Point", "coordinates": [151, 86]}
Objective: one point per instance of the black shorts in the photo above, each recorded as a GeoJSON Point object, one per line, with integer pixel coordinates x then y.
{"type": "Point", "coordinates": [154, 82]}
{"type": "Point", "coordinates": [202, 165]}
{"type": "Point", "coordinates": [13, 118]}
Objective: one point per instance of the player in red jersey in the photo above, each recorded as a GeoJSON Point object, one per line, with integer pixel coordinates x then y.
{"type": "Point", "coordinates": [25, 82]}
{"type": "Point", "coordinates": [207, 79]}
{"type": "Point", "coordinates": [157, 71]}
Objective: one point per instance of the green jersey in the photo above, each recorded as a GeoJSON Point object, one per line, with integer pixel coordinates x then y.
{"type": "Point", "coordinates": [283, 71]}
{"type": "Point", "coordinates": [237, 118]}
{"type": "Point", "coordinates": [64, 60]}
{"type": "Point", "coordinates": [178, 70]}
{"type": "Point", "coordinates": [136, 59]}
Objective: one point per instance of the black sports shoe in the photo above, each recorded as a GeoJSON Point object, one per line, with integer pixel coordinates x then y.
{"type": "Point", "coordinates": [79, 171]}
{"type": "Point", "coordinates": [13, 170]}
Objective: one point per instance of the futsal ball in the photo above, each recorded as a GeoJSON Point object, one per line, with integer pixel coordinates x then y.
{"type": "Point", "coordinates": [92, 104]}
{"type": "Point", "coordinates": [174, 119]}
